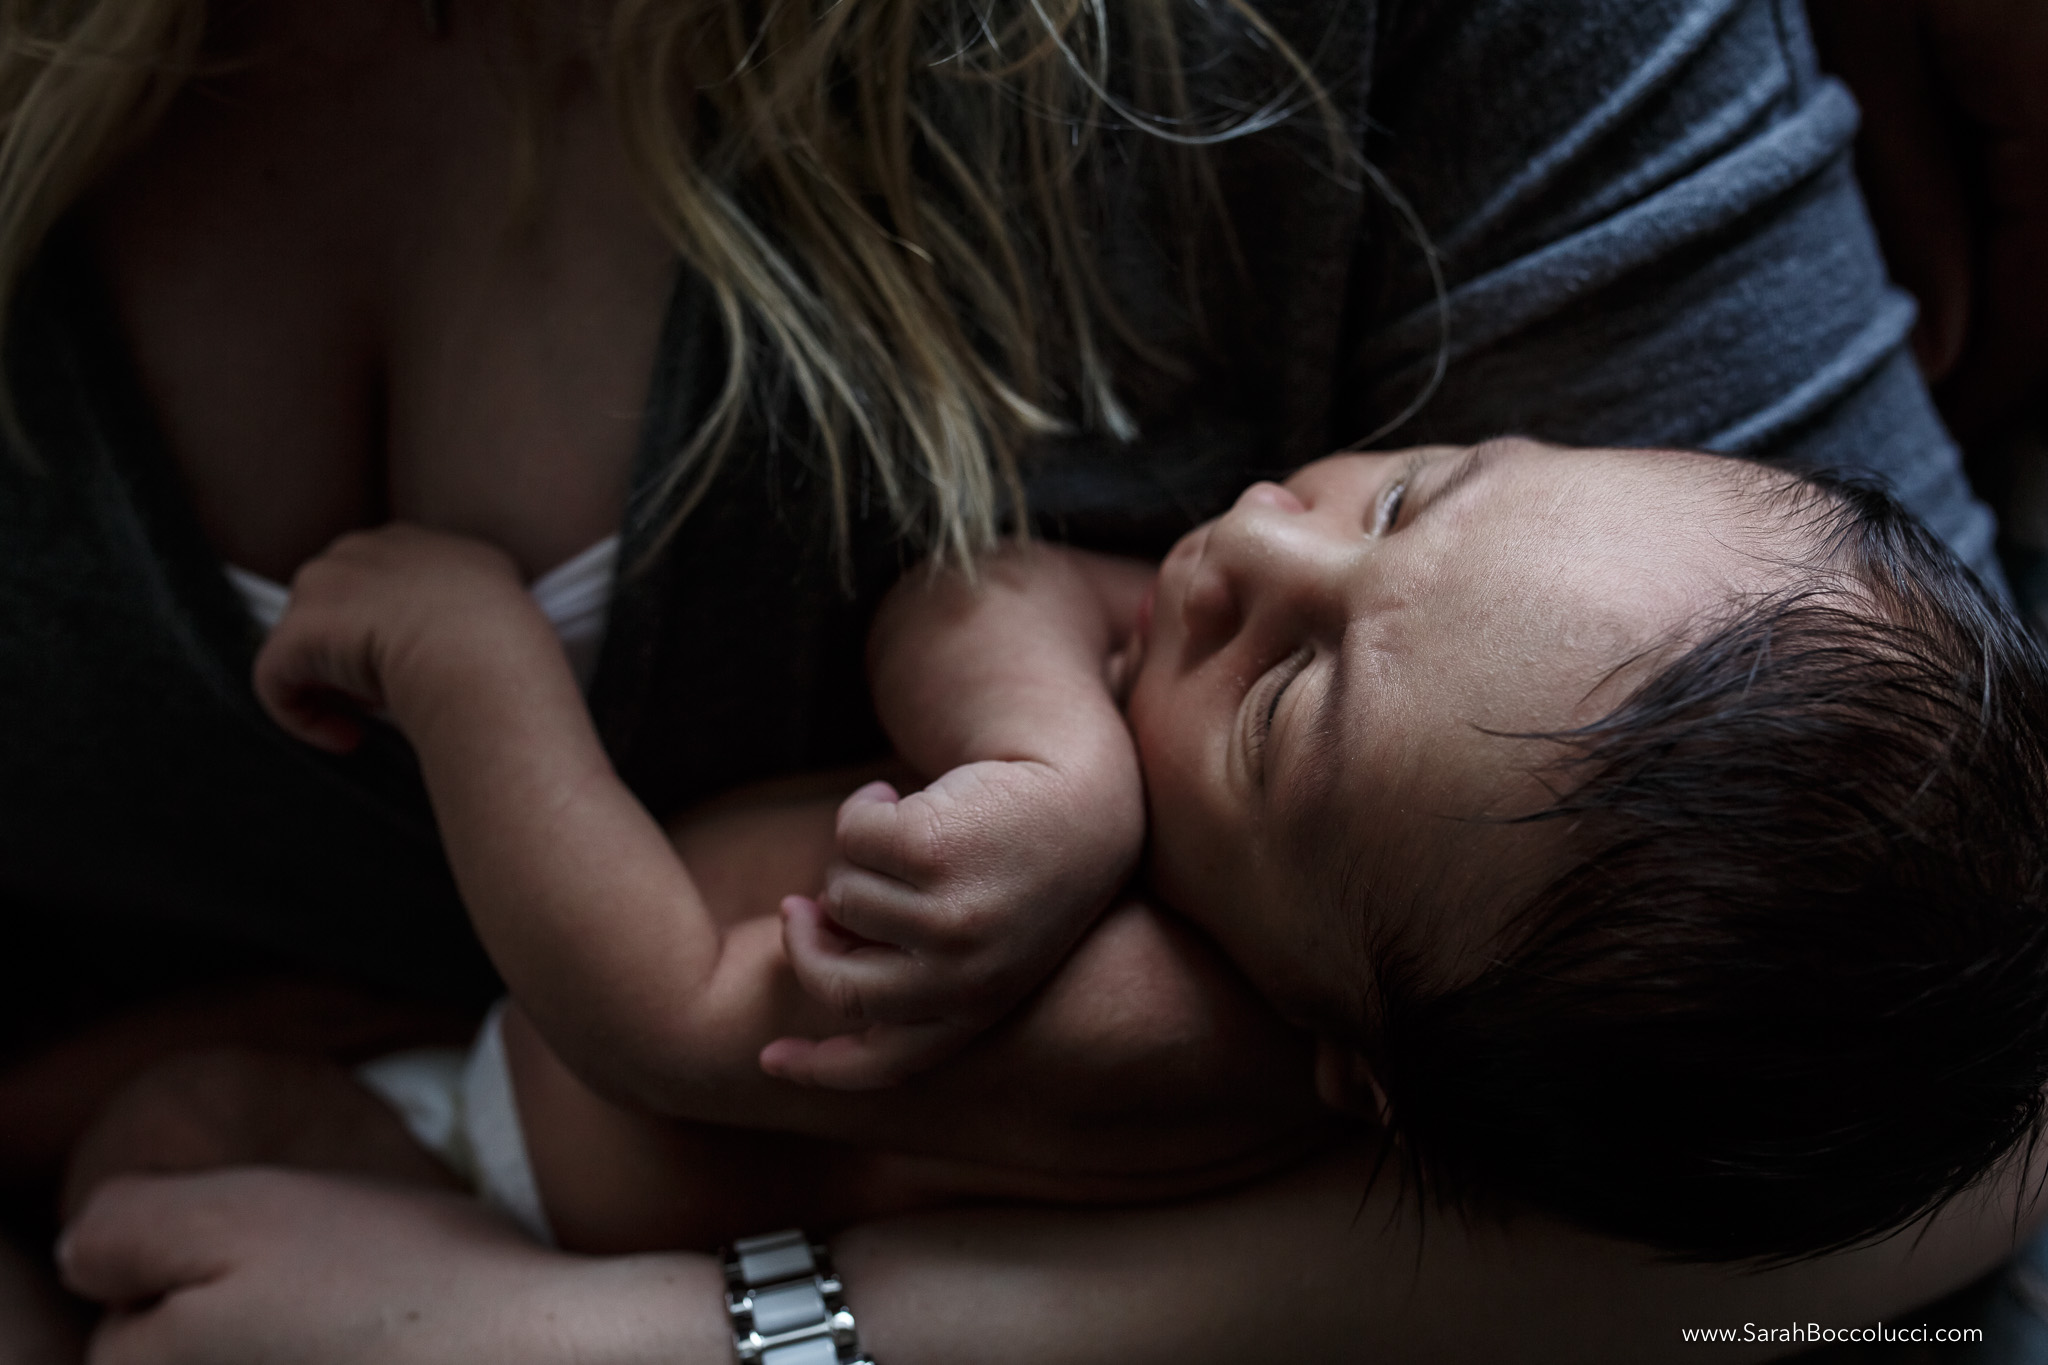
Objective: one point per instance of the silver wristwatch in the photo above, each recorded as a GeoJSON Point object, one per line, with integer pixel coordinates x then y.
{"type": "Point", "coordinates": [786, 1304]}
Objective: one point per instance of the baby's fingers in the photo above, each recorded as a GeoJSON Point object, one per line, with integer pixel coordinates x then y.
{"type": "Point", "coordinates": [860, 979]}
{"type": "Point", "coordinates": [884, 910]}
{"type": "Point", "coordinates": [314, 696]}
{"type": "Point", "coordinates": [877, 1056]}
{"type": "Point", "coordinates": [895, 836]}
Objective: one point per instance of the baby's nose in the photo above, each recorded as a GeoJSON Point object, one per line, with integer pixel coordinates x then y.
{"type": "Point", "coordinates": [1267, 494]}
{"type": "Point", "coordinates": [1210, 607]}
{"type": "Point", "coordinates": [1266, 560]}
{"type": "Point", "coordinates": [1214, 606]}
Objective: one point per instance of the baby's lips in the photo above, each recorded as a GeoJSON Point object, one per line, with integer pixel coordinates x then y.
{"type": "Point", "coordinates": [876, 791]}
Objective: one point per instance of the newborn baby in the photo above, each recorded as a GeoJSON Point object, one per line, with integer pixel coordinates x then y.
{"type": "Point", "coordinates": [1598, 815]}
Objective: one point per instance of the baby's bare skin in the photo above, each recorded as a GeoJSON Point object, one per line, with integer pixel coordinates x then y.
{"type": "Point", "coordinates": [1145, 1070]}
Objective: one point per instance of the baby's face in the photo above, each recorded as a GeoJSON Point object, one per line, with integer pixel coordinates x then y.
{"type": "Point", "coordinates": [1330, 669]}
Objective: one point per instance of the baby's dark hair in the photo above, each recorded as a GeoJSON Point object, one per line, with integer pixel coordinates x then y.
{"type": "Point", "coordinates": [1791, 992]}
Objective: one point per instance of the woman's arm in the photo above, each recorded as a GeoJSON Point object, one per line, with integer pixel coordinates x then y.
{"type": "Point", "coordinates": [1650, 235]}
{"type": "Point", "coordinates": [256, 1266]}
{"type": "Point", "coordinates": [1311, 1267]}
{"type": "Point", "coordinates": [1321, 1265]}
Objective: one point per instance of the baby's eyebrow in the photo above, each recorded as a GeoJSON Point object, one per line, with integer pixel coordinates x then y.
{"type": "Point", "coordinates": [1468, 467]}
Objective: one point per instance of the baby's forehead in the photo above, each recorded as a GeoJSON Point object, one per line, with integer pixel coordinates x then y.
{"type": "Point", "coordinates": [1761, 531]}
{"type": "Point", "coordinates": [1681, 536]}
{"type": "Point", "coordinates": [1762, 502]}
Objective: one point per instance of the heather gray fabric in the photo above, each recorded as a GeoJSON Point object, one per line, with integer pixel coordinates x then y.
{"type": "Point", "coordinates": [1645, 217]}
{"type": "Point", "coordinates": [1661, 245]}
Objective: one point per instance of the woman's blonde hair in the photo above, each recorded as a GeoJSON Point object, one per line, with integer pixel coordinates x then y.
{"type": "Point", "coordinates": [888, 200]}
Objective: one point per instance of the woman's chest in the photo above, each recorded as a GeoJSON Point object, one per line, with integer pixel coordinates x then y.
{"type": "Point", "coordinates": [352, 292]}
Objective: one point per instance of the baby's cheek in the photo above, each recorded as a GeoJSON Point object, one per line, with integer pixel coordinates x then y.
{"type": "Point", "coordinates": [1181, 829]}
{"type": "Point", "coordinates": [1164, 709]}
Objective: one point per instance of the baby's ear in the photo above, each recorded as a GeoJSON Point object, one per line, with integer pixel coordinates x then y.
{"type": "Point", "coordinates": [1345, 1082]}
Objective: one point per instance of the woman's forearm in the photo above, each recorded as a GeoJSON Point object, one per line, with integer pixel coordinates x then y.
{"type": "Point", "coordinates": [1326, 1265]}
{"type": "Point", "coordinates": [251, 1267]}
{"type": "Point", "coordinates": [1323, 1265]}
{"type": "Point", "coordinates": [632, 1310]}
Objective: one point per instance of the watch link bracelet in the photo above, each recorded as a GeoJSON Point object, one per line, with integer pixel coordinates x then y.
{"type": "Point", "coordinates": [786, 1303]}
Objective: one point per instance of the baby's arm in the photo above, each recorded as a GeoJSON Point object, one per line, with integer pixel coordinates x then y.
{"type": "Point", "coordinates": [595, 923]}
{"type": "Point", "coordinates": [951, 904]}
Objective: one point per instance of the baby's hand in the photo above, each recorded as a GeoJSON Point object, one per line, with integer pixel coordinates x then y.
{"type": "Point", "coordinates": [947, 907]}
{"type": "Point", "coordinates": [366, 614]}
